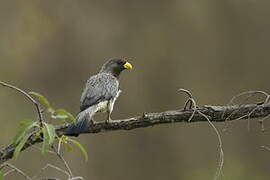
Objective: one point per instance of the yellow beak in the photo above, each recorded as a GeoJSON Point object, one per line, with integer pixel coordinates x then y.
{"type": "Point", "coordinates": [128, 65]}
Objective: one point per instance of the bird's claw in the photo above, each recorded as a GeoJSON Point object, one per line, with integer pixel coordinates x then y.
{"type": "Point", "coordinates": [92, 121]}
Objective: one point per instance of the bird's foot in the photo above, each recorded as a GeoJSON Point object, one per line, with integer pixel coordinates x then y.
{"type": "Point", "coordinates": [92, 121]}
{"type": "Point", "coordinates": [109, 120]}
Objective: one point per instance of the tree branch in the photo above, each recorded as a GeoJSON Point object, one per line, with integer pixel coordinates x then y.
{"type": "Point", "coordinates": [37, 105]}
{"type": "Point", "coordinates": [214, 113]}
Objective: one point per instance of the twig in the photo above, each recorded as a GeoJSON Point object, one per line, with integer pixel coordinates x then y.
{"type": "Point", "coordinates": [15, 169]}
{"type": "Point", "coordinates": [64, 162]}
{"type": "Point", "coordinates": [189, 100]}
{"type": "Point", "coordinates": [221, 152]}
{"type": "Point", "coordinates": [261, 121]}
{"type": "Point", "coordinates": [50, 166]}
{"type": "Point", "coordinates": [28, 97]}
{"type": "Point", "coordinates": [249, 95]}
{"type": "Point", "coordinates": [9, 172]}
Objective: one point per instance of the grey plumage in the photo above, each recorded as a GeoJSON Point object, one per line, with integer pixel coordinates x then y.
{"type": "Point", "coordinates": [99, 95]}
{"type": "Point", "coordinates": [101, 87]}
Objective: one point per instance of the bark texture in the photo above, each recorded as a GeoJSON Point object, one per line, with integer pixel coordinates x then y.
{"type": "Point", "coordinates": [215, 114]}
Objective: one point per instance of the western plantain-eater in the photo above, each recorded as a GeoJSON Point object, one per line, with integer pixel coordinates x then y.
{"type": "Point", "coordinates": [99, 95]}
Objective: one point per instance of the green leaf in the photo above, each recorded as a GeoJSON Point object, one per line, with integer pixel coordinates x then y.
{"type": "Point", "coordinates": [51, 133]}
{"type": "Point", "coordinates": [45, 145]}
{"type": "Point", "coordinates": [41, 99]}
{"type": "Point", "coordinates": [20, 146]}
{"type": "Point", "coordinates": [1, 175]}
{"type": "Point", "coordinates": [80, 147]}
{"type": "Point", "coordinates": [63, 140]}
{"type": "Point", "coordinates": [25, 126]}
{"type": "Point", "coordinates": [69, 148]}
{"type": "Point", "coordinates": [50, 110]}
{"type": "Point", "coordinates": [63, 114]}
{"type": "Point", "coordinates": [26, 122]}
{"type": "Point", "coordinates": [48, 137]}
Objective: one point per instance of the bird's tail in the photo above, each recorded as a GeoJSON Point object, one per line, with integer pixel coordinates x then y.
{"type": "Point", "coordinates": [82, 124]}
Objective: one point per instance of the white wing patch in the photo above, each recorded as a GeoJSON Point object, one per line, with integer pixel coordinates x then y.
{"type": "Point", "coordinates": [100, 107]}
{"type": "Point", "coordinates": [103, 106]}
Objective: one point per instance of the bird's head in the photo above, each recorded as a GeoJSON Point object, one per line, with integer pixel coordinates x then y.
{"type": "Point", "coordinates": [115, 66]}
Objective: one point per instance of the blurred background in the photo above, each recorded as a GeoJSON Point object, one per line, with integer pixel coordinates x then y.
{"type": "Point", "coordinates": [216, 49]}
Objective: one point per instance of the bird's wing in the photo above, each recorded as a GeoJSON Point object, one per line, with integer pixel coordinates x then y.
{"type": "Point", "coordinates": [101, 87]}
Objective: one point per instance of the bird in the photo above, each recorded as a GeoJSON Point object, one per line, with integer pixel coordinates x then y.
{"type": "Point", "coordinates": [99, 95]}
